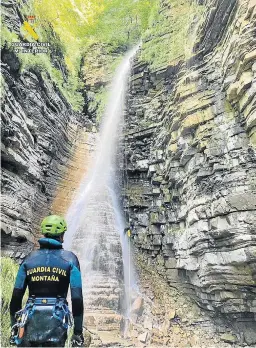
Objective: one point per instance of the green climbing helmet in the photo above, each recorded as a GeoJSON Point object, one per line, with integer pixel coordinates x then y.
{"type": "Point", "coordinates": [53, 225]}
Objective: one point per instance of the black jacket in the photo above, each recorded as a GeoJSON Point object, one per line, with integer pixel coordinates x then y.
{"type": "Point", "coordinates": [48, 272]}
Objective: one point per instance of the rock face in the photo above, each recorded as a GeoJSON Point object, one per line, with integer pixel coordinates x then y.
{"type": "Point", "coordinates": [171, 319]}
{"type": "Point", "coordinates": [38, 130]}
{"type": "Point", "coordinates": [189, 164]}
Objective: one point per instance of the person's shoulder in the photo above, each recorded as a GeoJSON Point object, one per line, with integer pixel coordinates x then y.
{"type": "Point", "coordinates": [69, 256]}
{"type": "Point", "coordinates": [31, 256]}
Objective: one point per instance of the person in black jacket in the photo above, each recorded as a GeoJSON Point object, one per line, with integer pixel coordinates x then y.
{"type": "Point", "coordinates": [48, 272]}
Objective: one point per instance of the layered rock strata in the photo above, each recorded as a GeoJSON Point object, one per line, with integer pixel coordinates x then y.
{"type": "Point", "coordinates": [189, 164]}
{"type": "Point", "coordinates": [39, 128]}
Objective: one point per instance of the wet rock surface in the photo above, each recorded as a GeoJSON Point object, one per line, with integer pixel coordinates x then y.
{"type": "Point", "coordinates": [167, 318]}
{"type": "Point", "coordinates": [189, 166]}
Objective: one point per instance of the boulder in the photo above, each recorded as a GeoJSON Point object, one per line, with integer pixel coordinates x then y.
{"type": "Point", "coordinates": [137, 306]}
{"type": "Point", "coordinates": [228, 337]}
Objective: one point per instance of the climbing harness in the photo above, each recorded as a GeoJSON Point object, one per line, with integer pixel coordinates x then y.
{"type": "Point", "coordinates": [22, 316]}
{"type": "Point", "coordinates": [60, 311]}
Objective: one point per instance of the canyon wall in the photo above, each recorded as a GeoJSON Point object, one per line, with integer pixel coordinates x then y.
{"type": "Point", "coordinates": [189, 178]}
{"type": "Point", "coordinates": [188, 166]}
{"type": "Point", "coordinates": [39, 129]}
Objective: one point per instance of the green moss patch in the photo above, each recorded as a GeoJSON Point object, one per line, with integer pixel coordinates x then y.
{"type": "Point", "coordinates": [170, 34]}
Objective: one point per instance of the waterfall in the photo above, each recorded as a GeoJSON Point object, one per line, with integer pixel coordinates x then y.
{"type": "Point", "coordinates": [95, 222]}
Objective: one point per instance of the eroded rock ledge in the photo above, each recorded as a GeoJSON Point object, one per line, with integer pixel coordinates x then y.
{"type": "Point", "coordinates": [189, 165]}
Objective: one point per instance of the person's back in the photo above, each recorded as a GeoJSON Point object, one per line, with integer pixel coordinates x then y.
{"type": "Point", "coordinates": [48, 272]}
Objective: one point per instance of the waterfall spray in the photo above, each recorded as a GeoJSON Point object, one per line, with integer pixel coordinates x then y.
{"type": "Point", "coordinates": [95, 222]}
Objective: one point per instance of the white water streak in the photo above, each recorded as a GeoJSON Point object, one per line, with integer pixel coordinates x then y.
{"type": "Point", "coordinates": [95, 222]}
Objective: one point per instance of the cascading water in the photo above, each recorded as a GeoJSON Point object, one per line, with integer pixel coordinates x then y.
{"type": "Point", "coordinates": [95, 223]}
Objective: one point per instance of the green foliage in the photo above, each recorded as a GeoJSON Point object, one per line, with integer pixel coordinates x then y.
{"type": "Point", "coordinates": [81, 23]}
{"type": "Point", "coordinates": [122, 22]}
{"type": "Point", "coordinates": [42, 62]}
{"type": "Point", "coordinates": [98, 69]}
{"type": "Point", "coordinates": [7, 37]}
{"type": "Point", "coordinates": [170, 33]}
{"type": "Point", "coordinates": [9, 271]}
{"type": "Point", "coordinates": [100, 102]}
{"type": "Point", "coordinates": [72, 27]}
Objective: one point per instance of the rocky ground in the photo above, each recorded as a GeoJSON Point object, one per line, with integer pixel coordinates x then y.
{"type": "Point", "coordinates": [172, 319]}
{"type": "Point", "coordinates": [162, 316]}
